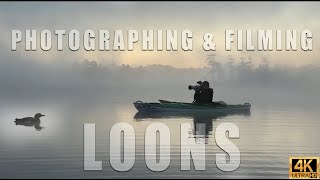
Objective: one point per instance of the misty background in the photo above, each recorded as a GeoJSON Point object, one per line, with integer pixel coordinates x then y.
{"type": "Point", "coordinates": [234, 81]}
{"type": "Point", "coordinates": [267, 77]}
{"type": "Point", "coordinates": [73, 88]}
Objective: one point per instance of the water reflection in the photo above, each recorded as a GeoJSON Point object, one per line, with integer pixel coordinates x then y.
{"type": "Point", "coordinates": [30, 121]}
{"type": "Point", "coordinates": [202, 127]}
{"type": "Point", "coordinates": [149, 115]}
{"type": "Point", "coordinates": [202, 121]}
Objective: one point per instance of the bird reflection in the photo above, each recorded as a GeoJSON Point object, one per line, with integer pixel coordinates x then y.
{"type": "Point", "coordinates": [30, 121]}
{"type": "Point", "coordinates": [202, 121]}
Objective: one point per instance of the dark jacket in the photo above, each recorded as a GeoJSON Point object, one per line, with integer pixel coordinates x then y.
{"type": "Point", "coordinates": [204, 96]}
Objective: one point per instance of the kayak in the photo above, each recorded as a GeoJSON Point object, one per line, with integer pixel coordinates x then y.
{"type": "Point", "coordinates": [168, 106]}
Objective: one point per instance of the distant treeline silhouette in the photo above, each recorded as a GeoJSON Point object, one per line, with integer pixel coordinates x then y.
{"type": "Point", "coordinates": [26, 78]}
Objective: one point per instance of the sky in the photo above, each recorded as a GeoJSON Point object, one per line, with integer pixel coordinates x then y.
{"type": "Point", "coordinates": [199, 17]}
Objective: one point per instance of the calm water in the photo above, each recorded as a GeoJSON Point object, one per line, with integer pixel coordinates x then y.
{"type": "Point", "coordinates": [268, 136]}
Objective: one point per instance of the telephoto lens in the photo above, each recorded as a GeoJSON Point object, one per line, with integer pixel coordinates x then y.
{"type": "Point", "coordinates": [194, 87]}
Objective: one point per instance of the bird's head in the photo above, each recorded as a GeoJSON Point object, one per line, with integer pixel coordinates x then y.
{"type": "Point", "coordinates": [38, 115]}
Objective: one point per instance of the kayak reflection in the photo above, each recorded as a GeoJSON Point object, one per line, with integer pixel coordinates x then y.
{"type": "Point", "coordinates": [142, 115]}
{"type": "Point", "coordinates": [202, 121]}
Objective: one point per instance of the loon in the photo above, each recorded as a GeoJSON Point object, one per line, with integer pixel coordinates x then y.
{"type": "Point", "coordinates": [30, 121]}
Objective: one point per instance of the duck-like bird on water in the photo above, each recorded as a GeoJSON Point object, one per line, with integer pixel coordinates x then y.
{"type": "Point", "coordinates": [30, 121]}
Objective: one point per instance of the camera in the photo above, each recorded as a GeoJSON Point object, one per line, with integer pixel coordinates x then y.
{"type": "Point", "coordinates": [196, 87]}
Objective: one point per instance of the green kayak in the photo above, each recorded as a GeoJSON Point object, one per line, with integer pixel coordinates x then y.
{"type": "Point", "coordinates": [168, 106]}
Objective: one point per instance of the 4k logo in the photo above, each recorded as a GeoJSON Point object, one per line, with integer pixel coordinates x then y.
{"type": "Point", "coordinates": [304, 168]}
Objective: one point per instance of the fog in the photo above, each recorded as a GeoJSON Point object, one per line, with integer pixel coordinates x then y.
{"type": "Point", "coordinates": [284, 108]}
{"type": "Point", "coordinates": [233, 81]}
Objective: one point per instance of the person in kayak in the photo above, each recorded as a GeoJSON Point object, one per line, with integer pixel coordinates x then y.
{"type": "Point", "coordinates": [203, 94]}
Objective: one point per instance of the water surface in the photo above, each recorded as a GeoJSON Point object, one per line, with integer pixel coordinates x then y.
{"type": "Point", "coordinates": [268, 136]}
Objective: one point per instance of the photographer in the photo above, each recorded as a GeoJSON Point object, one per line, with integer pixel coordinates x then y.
{"type": "Point", "coordinates": [203, 92]}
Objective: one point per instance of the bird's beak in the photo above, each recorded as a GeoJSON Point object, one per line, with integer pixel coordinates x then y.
{"type": "Point", "coordinates": [42, 115]}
